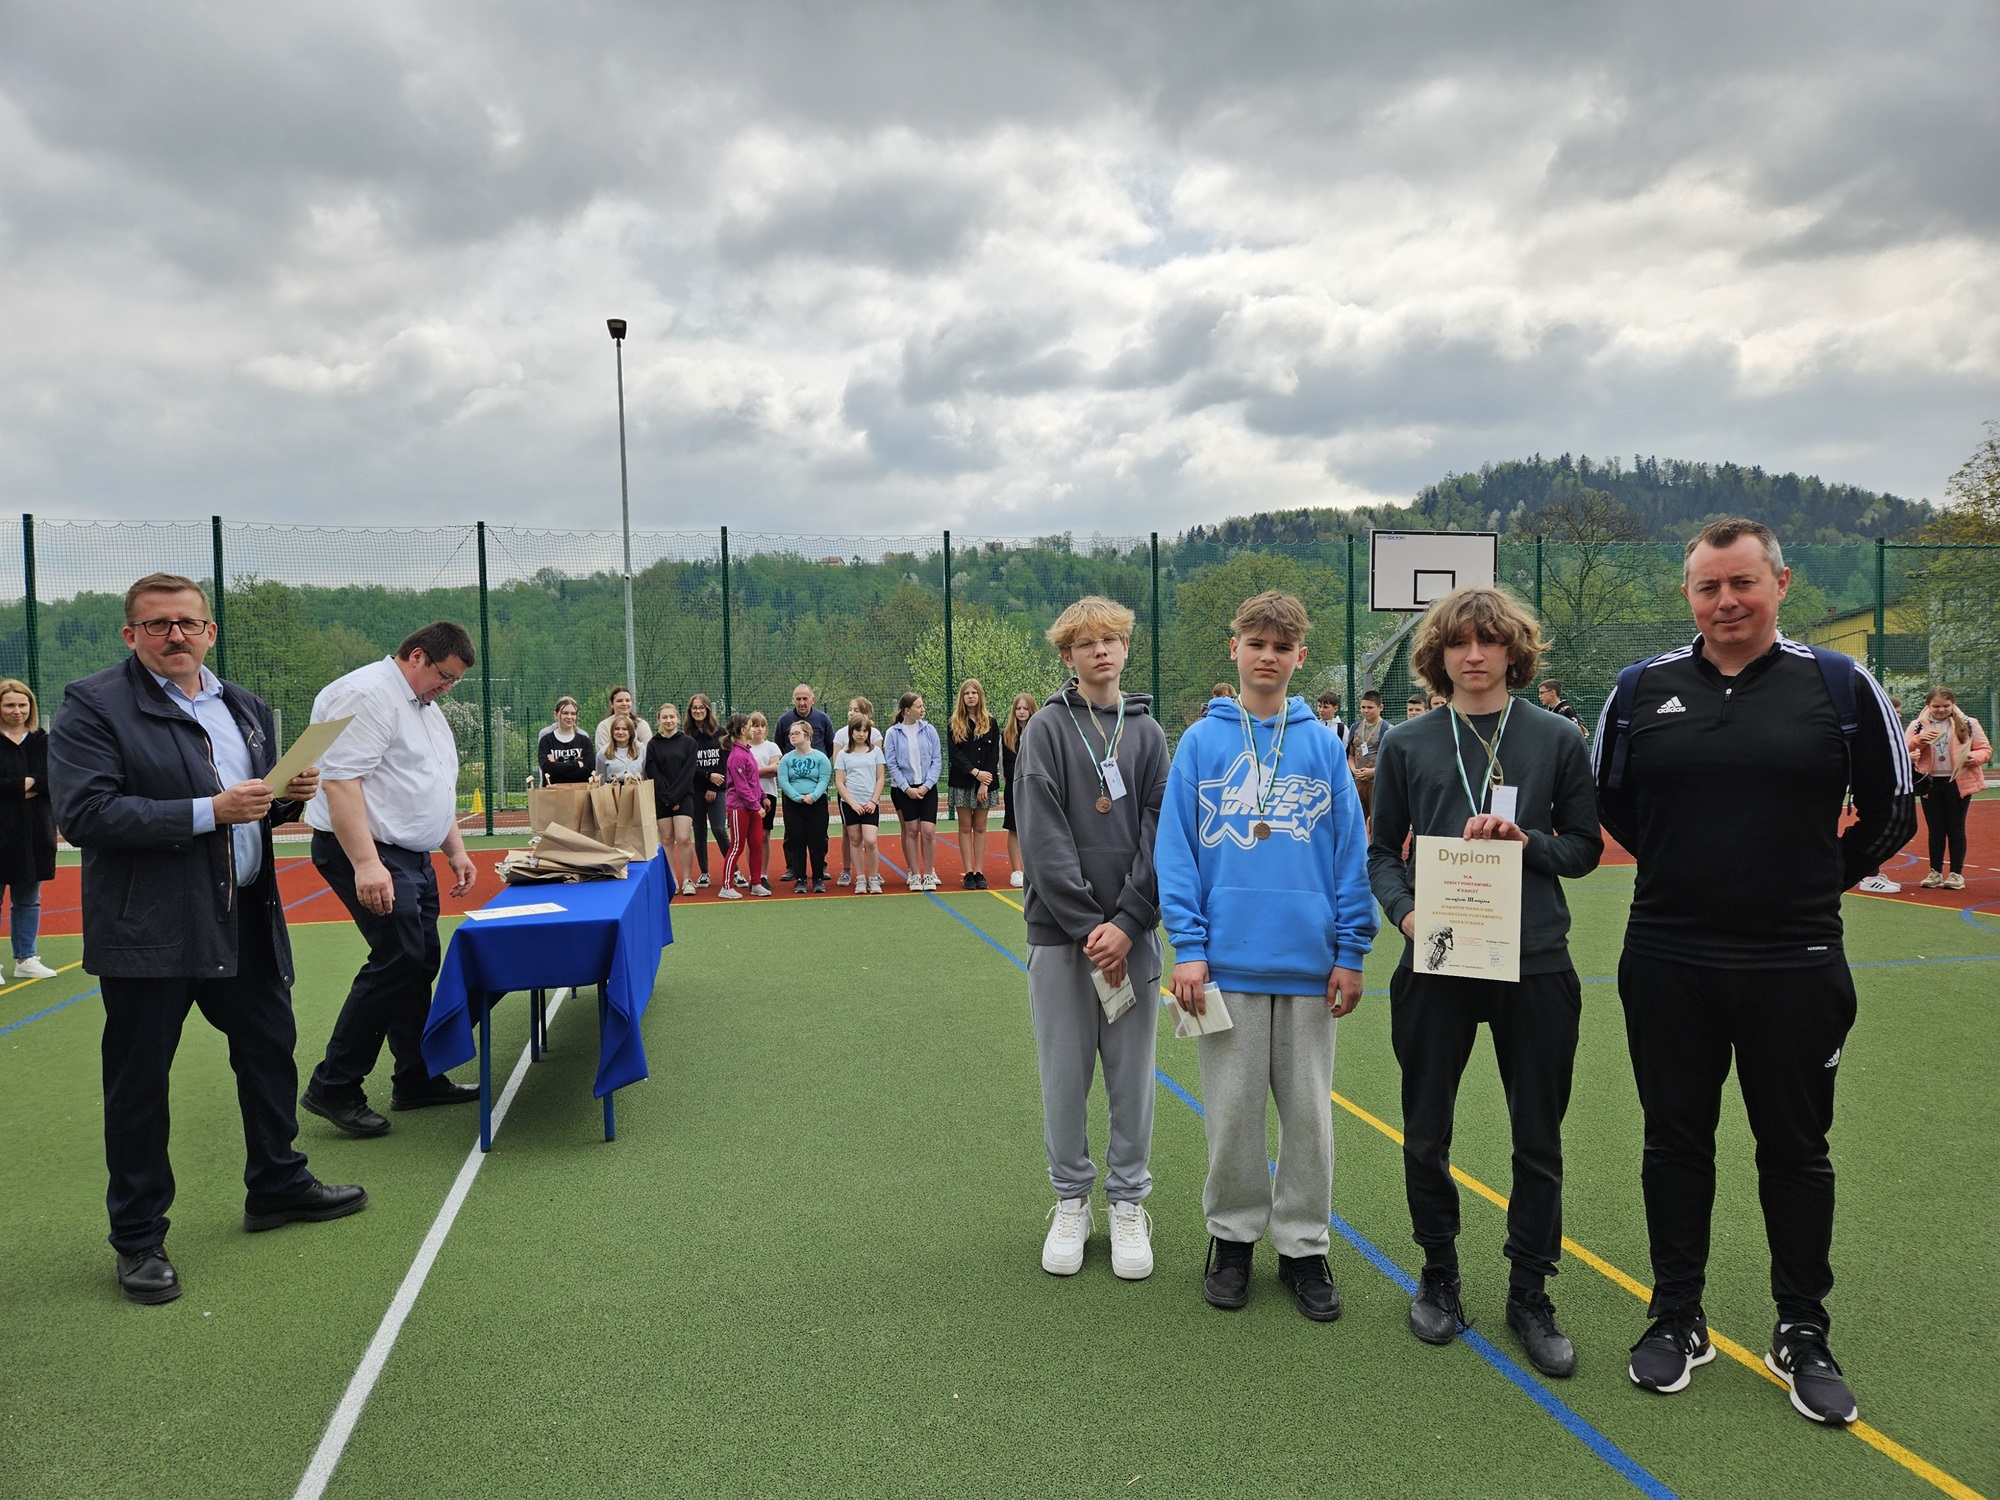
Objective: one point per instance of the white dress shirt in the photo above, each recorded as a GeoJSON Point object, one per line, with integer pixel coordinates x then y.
{"type": "Point", "coordinates": [401, 751]}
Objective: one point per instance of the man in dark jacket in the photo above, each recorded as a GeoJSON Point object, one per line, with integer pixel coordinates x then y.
{"type": "Point", "coordinates": [156, 768]}
{"type": "Point", "coordinates": [803, 712]}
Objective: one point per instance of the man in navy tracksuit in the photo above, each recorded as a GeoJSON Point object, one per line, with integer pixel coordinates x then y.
{"type": "Point", "coordinates": [1724, 772]}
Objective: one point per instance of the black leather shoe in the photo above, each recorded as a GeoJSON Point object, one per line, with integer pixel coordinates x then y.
{"type": "Point", "coordinates": [310, 1204]}
{"type": "Point", "coordinates": [350, 1117]}
{"type": "Point", "coordinates": [1311, 1285]}
{"type": "Point", "coordinates": [1533, 1317]}
{"type": "Point", "coordinates": [1437, 1315]}
{"type": "Point", "coordinates": [147, 1277]}
{"type": "Point", "coordinates": [434, 1091]}
{"type": "Point", "coordinates": [1226, 1277]}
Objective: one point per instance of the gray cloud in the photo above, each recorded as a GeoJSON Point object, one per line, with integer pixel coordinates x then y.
{"type": "Point", "coordinates": [974, 260]}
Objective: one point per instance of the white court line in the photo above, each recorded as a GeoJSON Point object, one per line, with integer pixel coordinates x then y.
{"type": "Point", "coordinates": [326, 1458]}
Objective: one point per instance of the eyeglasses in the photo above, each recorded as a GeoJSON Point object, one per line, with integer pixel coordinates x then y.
{"type": "Point", "coordinates": [160, 629]}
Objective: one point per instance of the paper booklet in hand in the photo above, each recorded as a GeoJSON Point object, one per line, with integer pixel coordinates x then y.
{"type": "Point", "coordinates": [1116, 999]}
{"type": "Point", "coordinates": [1214, 1017]}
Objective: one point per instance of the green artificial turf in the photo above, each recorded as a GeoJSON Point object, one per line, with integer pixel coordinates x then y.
{"type": "Point", "coordinates": [809, 1264]}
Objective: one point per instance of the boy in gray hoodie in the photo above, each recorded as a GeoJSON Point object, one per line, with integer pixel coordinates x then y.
{"type": "Point", "coordinates": [1086, 796]}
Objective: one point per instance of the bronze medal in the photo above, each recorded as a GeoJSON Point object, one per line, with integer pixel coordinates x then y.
{"type": "Point", "coordinates": [1263, 831]}
{"type": "Point", "coordinates": [1103, 804]}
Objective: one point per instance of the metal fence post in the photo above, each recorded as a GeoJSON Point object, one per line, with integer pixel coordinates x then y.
{"type": "Point", "coordinates": [1154, 629]}
{"type": "Point", "coordinates": [950, 689]}
{"type": "Point", "coordinates": [1352, 703]}
{"type": "Point", "coordinates": [221, 603]}
{"type": "Point", "coordinates": [726, 685]}
{"type": "Point", "coordinates": [485, 685]}
{"type": "Point", "coordinates": [1538, 575]}
{"type": "Point", "coordinates": [1880, 654]}
{"type": "Point", "coordinates": [28, 605]}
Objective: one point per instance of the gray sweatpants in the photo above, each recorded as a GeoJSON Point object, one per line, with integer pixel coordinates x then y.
{"type": "Point", "coordinates": [1070, 1035]}
{"type": "Point", "coordinates": [1278, 1045]}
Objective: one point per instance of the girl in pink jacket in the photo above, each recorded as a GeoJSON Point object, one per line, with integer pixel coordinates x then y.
{"type": "Point", "coordinates": [1949, 748]}
{"type": "Point", "coordinates": [743, 797]}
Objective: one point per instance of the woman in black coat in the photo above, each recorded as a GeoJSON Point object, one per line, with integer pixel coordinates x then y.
{"type": "Point", "coordinates": [27, 823]}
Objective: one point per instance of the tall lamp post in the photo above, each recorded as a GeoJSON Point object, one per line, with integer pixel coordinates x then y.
{"type": "Point", "coordinates": [617, 327]}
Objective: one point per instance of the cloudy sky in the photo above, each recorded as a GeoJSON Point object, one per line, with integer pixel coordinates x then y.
{"type": "Point", "coordinates": [1008, 268]}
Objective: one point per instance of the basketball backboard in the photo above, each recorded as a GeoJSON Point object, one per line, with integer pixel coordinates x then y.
{"type": "Point", "coordinates": [1411, 570]}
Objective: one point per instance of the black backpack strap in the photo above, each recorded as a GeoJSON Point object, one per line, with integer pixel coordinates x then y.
{"type": "Point", "coordinates": [1623, 698]}
{"type": "Point", "coordinates": [1836, 670]}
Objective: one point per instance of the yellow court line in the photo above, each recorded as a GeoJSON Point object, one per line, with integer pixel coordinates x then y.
{"type": "Point", "coordinates": [1880, 1441]}
{"type": "Point", "coordinates": [1876, 1439]}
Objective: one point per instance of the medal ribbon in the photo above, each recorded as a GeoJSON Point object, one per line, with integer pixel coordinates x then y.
{"type": "Point", "coordinates": [1277, 750]}
{"type": "Point", "coordinates": [1492, 756]}
{"type": "Point", "coordinates": [1111, 744]}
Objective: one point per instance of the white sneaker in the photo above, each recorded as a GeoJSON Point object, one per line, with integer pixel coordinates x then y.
{"type": "Point", "coordinates": [32, 967]}
{"type": "Point", "coordinates": [726, 894]}
{"type": "Point", "coordinates": [1131, 1242]}
{"type": "Point", "coordinates": [875, 885]}
{"type": "Point", "coordinates": [846, 878]}
{"type": "Point", "coordinates": [1879, 886]}
{"type": "Point", "coordinates": [930, 881]}
{"type": "Point", "coordinates": [1070, 1223]}
{"type": "Point", "coordinates": [1016, 880]}
{"type": "Point", "coordinates": [760, 889]}
{"type": "Point", "coordinates": [1933, 880]}
{"type": "Point", "coordinates": [914, 881]}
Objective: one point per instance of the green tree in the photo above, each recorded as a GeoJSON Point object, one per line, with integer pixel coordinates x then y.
{"type": "Point", "coordinates": [1004, 657]}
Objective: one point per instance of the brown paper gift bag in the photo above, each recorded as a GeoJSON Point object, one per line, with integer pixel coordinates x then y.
{"type": "Point", "coordinates": [559, 854]}
{"type": "Point", "coordinates": [616, 813]}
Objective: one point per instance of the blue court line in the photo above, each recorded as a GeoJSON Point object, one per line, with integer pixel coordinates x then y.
{"type": "Point", "coordinates": [1540, 1394]}
{"type": "Point", "coordinates": [59, 1005]}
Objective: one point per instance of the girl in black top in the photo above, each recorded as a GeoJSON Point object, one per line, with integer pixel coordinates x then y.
{"type": "Point", "coordinates": [704, 801]}
{"type": "Point", "coordinates": [1019, 712]}
{"type": "Point", "coordinates": [670, 767]}
{"type": "Point", "coordinates": [975, 767]}
{"type": "Point", "coordinates": [564, 756]}
{"type": "Point", "coordinates": [27, 823]}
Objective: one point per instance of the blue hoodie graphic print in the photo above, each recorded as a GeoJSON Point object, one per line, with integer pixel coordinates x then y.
{"type": "Point", "coordinates": [1274, 915]}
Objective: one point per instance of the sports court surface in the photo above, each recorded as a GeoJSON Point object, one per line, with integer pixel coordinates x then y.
{"type": "Point", "coordinates": [809, 1263]}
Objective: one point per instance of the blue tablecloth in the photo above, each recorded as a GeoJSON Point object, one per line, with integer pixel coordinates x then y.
{"type": "Point", "coordinates": [611, 933]}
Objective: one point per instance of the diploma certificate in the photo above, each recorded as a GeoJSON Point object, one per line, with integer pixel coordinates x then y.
{"type": "Point", "coordinates": [1468, 908]}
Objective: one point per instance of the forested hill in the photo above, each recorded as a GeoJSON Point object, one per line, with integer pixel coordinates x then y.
{"type": "Point", "coordinates": [1661, 499]}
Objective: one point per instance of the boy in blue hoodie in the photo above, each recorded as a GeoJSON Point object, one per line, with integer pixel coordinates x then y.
{"type": "Point", "coordinates": [1262, 865]}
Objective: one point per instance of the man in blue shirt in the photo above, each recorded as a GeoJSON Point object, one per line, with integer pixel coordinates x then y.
{"type": "Point", "coordinates": [156, 767]}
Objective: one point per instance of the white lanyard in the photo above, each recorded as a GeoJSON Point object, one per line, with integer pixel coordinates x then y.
{"type": "Point", "coordinates": [1479, 805]}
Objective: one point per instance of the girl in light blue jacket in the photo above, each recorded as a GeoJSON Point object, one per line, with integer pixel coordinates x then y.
{"type": "Point", "coordinates": [915, 758]}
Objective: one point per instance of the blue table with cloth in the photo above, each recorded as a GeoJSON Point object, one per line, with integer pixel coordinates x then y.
{"type": "Point", "coordinates": [610, 933]}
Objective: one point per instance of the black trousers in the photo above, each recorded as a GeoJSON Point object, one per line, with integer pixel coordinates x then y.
{"type": "Point", "coordinates": [805, 838]}
{"type": "Point", "coordinates": [1944, 821]}
{"type": "Point", "coordinates": [142, 1031]}
{"type": "Point", "coordinates": [1433, 1022]}
{"type": "Point", "coordinates": [391, 996]}
{"type": "Point", "coordinates": [1786, 1028]}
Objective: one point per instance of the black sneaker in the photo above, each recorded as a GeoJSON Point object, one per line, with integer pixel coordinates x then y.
{"type": "Point", "coordinates": [1436, 1315]}
{"type": "Point", "coordinates": [1311, 1285]}
{"type": "Point", "coordinates": [1226, 1278]}
{"type": "Point", "coordinates": [819, 887]}
{"type": "Point", "coordinates": [978, 881]}
{"type": "Point", "coordinates": [798, 888]}
{"type": "Point", "coordinates": [1533, 1317]}
{"type": "Point", "coordinates": [1664, 1360]}
{"type": "Point", "coordinates": [1799, 1357]}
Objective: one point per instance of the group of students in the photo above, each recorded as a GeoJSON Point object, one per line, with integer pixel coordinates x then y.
{"type": "Point", "coordinates": [734, 778]}
{"type": "Point", "coordinates": [1250, 847]}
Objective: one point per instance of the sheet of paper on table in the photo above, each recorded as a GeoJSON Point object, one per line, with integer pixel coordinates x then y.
{"type": "Point", "coordinates": [1214, 1016]}
{"type": "Point", "coordinates": [1468, 908]}
{"type": "Point", "coordinates": [487, 914]}
{"type": "Point", "coordinates": [306, 751]}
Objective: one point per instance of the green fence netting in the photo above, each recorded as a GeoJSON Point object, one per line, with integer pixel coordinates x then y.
{"type": "Point", "coordinates": [744, 617]}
